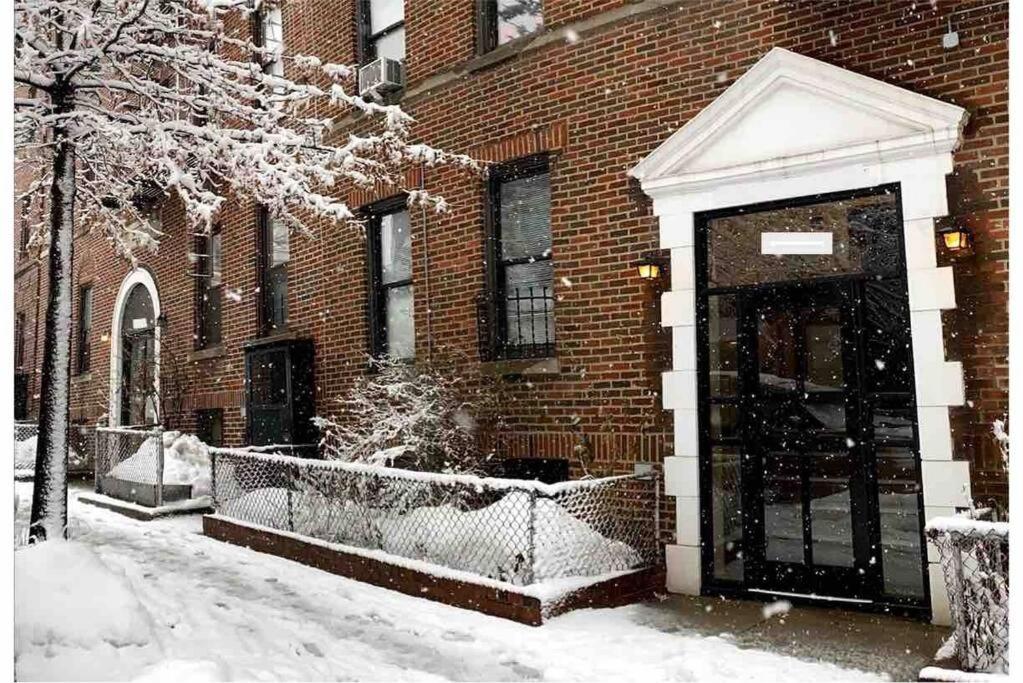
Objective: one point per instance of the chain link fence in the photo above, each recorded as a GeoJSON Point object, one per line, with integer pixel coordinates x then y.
{"type": "Point", "coordinates": [975, 560]}
{"type": "Point", "coordinates": [25, 439]}
{"type": "Point", "coordinates": [81, 446]}
{"type": "Point", "coordinates": [520, 532]}
{"type": "Point", "coordinates": [129, 464]}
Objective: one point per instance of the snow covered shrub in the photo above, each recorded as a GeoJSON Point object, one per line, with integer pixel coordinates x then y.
{"type": "Point", "coordinates": [1001, 432]}
{"type": "Point", "coordinates": [421, 416]}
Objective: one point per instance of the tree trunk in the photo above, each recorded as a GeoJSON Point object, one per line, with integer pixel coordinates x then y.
{"type": "Point", "coordinates": [49, 499]}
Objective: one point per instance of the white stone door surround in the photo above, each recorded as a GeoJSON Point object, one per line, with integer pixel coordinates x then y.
{"type": "Point", "coordinates": [793, 126]}
{"type": "Point", "coordinates": [138, 275]}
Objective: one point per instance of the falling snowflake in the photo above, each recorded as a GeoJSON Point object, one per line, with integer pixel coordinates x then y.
{"type": "Point", "coordinates": [879, 364]}
{"type": "Point", "coordinates": [775, 608]}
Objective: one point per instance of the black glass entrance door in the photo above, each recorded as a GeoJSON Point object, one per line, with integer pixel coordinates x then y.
{"type": "Point", "coordinates": [809, 457]}
{"type": "Point", "coordinates": [809, 533]}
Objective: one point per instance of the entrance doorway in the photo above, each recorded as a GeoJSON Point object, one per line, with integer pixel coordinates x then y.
{"type": "Point", "coordinates": [138, 404]}
{"type": "Point", "coordinates": [810, 481]}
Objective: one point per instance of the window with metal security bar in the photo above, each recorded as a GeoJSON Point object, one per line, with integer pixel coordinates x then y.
{"type": "Point", "coordinates": [381, 29]}
{"type": "Point", "coordinates": [274, 254]}
{"type": "Point", "coordinates": [208, 289]}
{"type": "Point", "coordinates": [391, 304]}
{"type": "Point", "coordinates": [516, 312]}
{"type": "Point", "coordinates": [84, 346]}
{"type": "Point", "coordinates": [503, 21]}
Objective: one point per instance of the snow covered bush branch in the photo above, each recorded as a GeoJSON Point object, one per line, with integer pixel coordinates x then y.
{"type": "Point", "coordinates": [1001, 433]}
{"type": "Point", "coordinates": [420, 416]}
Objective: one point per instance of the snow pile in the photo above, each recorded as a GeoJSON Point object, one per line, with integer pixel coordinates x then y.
{"type": "Point", "coordinates": [69, 605]}
{"type": "Point", "coordinates": [186, 460]}
{"type": "Point", "coordinates": [492, 541]}
{"type": "Point", "coordinates": [25, 454]}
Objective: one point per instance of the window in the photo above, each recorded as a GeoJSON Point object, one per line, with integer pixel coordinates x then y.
{"type": "Point", "coordinates": [26, 223]}
{"type": "Point", "coordinates": [502, 21]}
{"type": "Point", "coordinates": [271, 38]}
{"type": "Point", "coordinates": [392, 324]}
{"type": "Point", "coordinates": [381, 29]}
{"type": "Point", "coordinates": [19, 341]}
{"type": "Point", "coordinates": [208, 286]}
{"type": "Point", "coordinates": [520, 277]}
{"type": "Point", "coordinates": [84, 328]}
{"type": "Point", "coordinates": [209, 426]}
{"type": "Point", "coordinates": [273, 286]}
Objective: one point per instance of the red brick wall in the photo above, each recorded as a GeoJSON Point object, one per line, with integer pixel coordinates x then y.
{"type": "Point", "coordinates": [598, 105]}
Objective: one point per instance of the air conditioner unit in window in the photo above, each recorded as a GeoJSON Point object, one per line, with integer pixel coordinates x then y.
{"type": "Point", "coordinates": [381, 76]}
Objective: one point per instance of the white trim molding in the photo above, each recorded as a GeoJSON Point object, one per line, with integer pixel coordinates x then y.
{"type": "Point", "coordinates": [790, 127]}
{"type": "Point", "coordinates": [135, 277]}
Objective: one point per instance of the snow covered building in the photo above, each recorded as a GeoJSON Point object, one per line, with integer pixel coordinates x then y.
{"type": "Point", "coordinates": [761, 245]}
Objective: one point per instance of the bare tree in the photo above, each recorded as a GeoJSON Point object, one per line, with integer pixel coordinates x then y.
{"type": "Point", "coordinates": [120, 103]}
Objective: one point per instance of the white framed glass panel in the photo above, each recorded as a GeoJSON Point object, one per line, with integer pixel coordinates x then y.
{"type": "Point", "coordinates": [401, 332]}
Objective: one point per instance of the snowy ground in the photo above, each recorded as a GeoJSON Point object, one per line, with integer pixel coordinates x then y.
{"type": "Point", "coordinates": [199, 610]}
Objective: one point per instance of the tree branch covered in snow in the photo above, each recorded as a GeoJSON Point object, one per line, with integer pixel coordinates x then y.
{"type": "Point", "coordinates": [422, 417]}
{"type": "Point", "coordinates": [182, 97]}
{"type": "Point", "coordinates": [122, 103]}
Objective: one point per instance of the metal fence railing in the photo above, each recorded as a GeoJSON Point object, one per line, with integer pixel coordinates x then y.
{"type": "Point", "coordinates": [975, 561]}
{"type": "Point", "coordinates": [81, 446]}
{"type": "Point", "coordinates": [521, 532]}
{"type": "Point", "coordinates": [129, 464]}
{"type": "Point", "coordinates": [25, 430]}
{"type": "Point", "coordinates": [25, 439]}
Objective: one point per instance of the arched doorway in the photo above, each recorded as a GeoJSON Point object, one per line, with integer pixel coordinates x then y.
{"type": "Point", "coordinates": [135, 352]}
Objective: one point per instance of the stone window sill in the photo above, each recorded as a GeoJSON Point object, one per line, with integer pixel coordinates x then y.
{"type": "Point", "coordinates": [207, 353]}
{"type": "Point", "coordinates": [522, 366]}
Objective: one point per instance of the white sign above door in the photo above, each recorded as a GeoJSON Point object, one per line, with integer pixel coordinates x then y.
{"type": "Point", "coordinates": [795, 243]}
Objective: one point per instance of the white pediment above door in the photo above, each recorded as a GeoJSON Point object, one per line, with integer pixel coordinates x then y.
{"type": "Point", "coordinates": [791, 113]}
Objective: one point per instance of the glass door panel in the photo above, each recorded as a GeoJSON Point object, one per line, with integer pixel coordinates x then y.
{"type": "Point", "coordinates": [783, 508]}
{"type": "Point", "coordinates": [831, 521]}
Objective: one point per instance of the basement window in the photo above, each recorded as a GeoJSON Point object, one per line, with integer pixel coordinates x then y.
{"type": "Point", "coordinates": [209, 426]}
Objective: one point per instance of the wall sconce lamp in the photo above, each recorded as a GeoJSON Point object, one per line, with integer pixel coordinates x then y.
{"type": "Point", "coordinates": [161, 321]}
{"type": "Point", "coordinates": [650, 265]}
{"type": "Point", "coordinates": [957, 239]}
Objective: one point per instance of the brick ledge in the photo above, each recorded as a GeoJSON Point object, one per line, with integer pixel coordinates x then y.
{"type": "Point", "coordinates": [498, 602]}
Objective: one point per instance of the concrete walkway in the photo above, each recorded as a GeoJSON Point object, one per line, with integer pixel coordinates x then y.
{"type": "Point", "coordinates": [892, 645]}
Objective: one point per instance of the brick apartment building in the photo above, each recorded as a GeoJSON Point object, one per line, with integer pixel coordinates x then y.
{"type": "Point", "coordinates": [800, 173]}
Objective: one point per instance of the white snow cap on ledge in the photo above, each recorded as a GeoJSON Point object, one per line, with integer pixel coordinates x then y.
{"type": "Point", "coordinates": [789, 111]}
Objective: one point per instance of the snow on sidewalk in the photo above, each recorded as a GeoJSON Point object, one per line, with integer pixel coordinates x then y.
{"type": "Point", "coordinates": [205, 610]}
